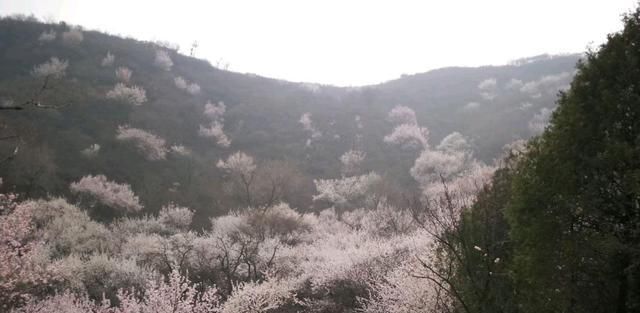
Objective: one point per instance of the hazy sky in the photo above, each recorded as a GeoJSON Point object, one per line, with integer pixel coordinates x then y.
{"type": "Point", "coordinates": [345, 42]}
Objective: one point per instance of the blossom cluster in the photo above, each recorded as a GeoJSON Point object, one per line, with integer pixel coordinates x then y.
{"type": "Point", "coordinates": [134, 95]}
{"type": "Point", "coordinates": [55, 68]}
{"type": "Point", "coordinates": [153, 147]}
{"type": "Point", "coordinates": [215, 112]}
{"type": "Point", "coordinates": [183, 84]}
{"type": "Point", "coordinates": [118, 196]}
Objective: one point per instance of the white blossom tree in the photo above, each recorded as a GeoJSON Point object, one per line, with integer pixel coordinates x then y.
{"type": "Point", "coordinates": [341, 191]}
{"type": "Point", "coordinates": [48, 36]}
{"type": "Point", "coordinates": [539, 121]}
{"type": "Point", "coordinates": [258, 297]}
{"type": "Point", "coordinates": [180, 82]}
{"type": "Point", "coordinates": [403, 115]}
{"type": "Point", "coordinates": [410, 136]}
{"type": "Point", "coordinates": [47, 72]}
{"type": "Point", "coordinates": [109, 193]}
{"type": "Point", "coordinates": [407, 133]}
{"type": "Point", "coordinates": [134, 95]}
{"type": "Point", "coordinates": [183, 84]}
{"type": "Point", "coordinates": [193, 89]}
{"type": "Point", "coordinates": [108, 60]}
{"type": "Point", "coordinates": [153, 147]}
{"type": "Point", "coordinates": [178, 295]}
{"type": "Point", "coordinates": [215, 112]}
{"type": "Point", "coordinates": [487, 88]}
{"type": "Point", "coordinates": [123, 74]}
{"type": "Point", "coordinates": [54, 68]}
{"type": "Point", "coordinates": [307, 124]}
{"type": "Point", "coordinates": [175, 216]}
{"type": "Point", "coordinates": [242, 168]}
{"type": "Point", "coordinates": [73, 36]}
{"type": "Point", "coordinates": [215, 130]}
{"type": "Point", "coordinates": [180, 150]}
{"type": "Point", "coordinates": [163, 60]}
{"type": "Point", "coordinates": [91, 151]}
{"type": "Point", "coordinates": [351, 161]}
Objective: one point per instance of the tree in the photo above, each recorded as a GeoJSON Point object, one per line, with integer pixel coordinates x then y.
{"type": "Point", "coordinates": [134, 95]}
{"type": "Point", "coordinates": [112, 194]}
{"type": "Point", "coordinates": [123, 74]}
{"type": "Point", "coordinates": [108, 60]}
{"type": "Point", "coordinates": [22, 272]}
{"type": "Point", "coordinates": [54, 69]}
{"type": "Point", "coordinates": [73, 36]}
{"type": "Point", "coordinates": [574, 214]}
{"type": "Point", "coordinates": [163, 60]}
{"type": "Point", "coordinates": [215, 112]}
{"type": "Point", "coordinates": [153, 147]}
{"type": "Point", "coordinates": [242, 169]}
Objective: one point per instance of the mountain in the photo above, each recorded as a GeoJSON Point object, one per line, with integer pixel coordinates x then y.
{"type": "Point", "coordinates": [492, 106]}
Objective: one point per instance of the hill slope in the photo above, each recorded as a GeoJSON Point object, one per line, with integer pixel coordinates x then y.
{"type": "Point", "coordinates": [490, 105]}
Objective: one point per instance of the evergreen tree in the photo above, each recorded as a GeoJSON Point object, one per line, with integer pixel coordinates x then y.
{"type": "Point", "coordinates": [575, 208]}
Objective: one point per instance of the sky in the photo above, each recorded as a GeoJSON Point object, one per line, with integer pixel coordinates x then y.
{"type": "Point", "coordinates": [347, 42]}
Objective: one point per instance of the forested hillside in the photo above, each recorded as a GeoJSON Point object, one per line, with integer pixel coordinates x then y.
{"type": "Point", "coordinates": [137, 180]}
{"type": "Point", "coordinates": [489, 106]}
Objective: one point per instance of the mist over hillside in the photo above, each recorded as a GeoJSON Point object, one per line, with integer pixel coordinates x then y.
{"type": "Point", "coordinates": [136, 179]}
{"type": "Point", "coordinates": [490, 106]}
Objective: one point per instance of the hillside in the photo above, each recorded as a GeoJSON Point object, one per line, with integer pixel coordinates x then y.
{"type": "Point", "coordinates": [137, 179]}
{"type": "Point", "coordinates": [491, 106]}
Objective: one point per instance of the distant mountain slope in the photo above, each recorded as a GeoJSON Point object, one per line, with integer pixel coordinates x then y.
{"type": "Point", "coordinates": [490, 105]}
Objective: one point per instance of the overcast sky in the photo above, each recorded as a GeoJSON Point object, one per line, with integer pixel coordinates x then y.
{"type": "Point", "coordinates": [346, 42]}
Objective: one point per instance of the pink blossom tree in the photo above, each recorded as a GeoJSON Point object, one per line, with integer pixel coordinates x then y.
{"type": "Point", "coordinates": [24, 268]}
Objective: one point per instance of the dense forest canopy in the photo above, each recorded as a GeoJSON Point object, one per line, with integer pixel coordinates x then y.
{"type": "Point", "coordinates": [138, 179]}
